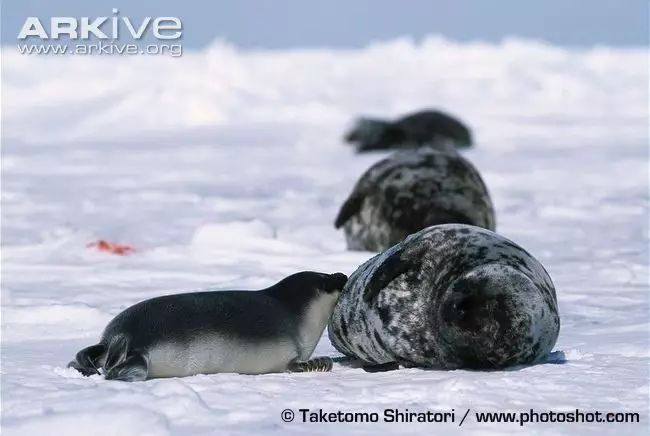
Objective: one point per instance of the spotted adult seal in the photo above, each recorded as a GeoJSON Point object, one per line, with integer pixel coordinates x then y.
{"type": "Point", "coordinates": [248, 332]}
{"type": "Point", "coordinates": [411, 190]}
{"type": "Point", "coordinates": [430, 127]}
{"type": "Point", "coordinates": [450, 296]}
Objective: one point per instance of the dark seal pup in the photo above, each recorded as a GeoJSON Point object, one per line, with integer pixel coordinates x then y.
{"type": "Point", "coordinates": [430, 127]}
{"type": "Point", "coordinates": [450, 296]}
{"type": "Point", "coordinates": [411, 190]}
{"type": "Point", "coordinates": [248, 332]}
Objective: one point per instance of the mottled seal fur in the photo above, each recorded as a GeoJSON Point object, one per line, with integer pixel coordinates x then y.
{"type": "Point", "coordinates": [411, 190]}
{"type": "Point", "coordinates": [450, 296]}
{"type": "Point", "coordinates": [431, 127]}
{"type": "Point", "coordinates": [248, 332]}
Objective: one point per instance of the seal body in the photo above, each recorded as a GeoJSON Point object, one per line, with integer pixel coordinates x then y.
{"type": "Point", "coordinates": [431, 127]}
{"type": "Point", "coordinates": [450, 296]}
{"type": "Point", "coordinates": [249, 332]}
{"type": "Point", "coordinates": [411, 190]}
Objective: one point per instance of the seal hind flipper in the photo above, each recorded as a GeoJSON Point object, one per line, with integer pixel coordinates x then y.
{"type": "Point", "coordinates": [317, 364]}
{"type": "Point", "coordinates": [381, 367]}
{"type": "Point", "coordinates": [135, 367]}
{"type": "Point", "coordinates": [392, 267]}
{"type": "Point", "coordinates": [88, 360]}
{"type": "Point", "coordinates": [351, 206]}
{"type": "Point", "coordinates": [118, 348]}
{"type": "Point", "coordinates": [366, 130]}
{"type": "Point", "coordinates": [354, 202]}
{"type": "Point", "coordinates": [125, 364]}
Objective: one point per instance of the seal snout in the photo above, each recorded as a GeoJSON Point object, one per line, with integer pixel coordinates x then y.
{"type": "Point", "coordinates": [338, 280]}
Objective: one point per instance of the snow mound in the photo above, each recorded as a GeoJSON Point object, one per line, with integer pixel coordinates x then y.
{"type": "Point", "coordinates": [510, 93]}
{"type": "Point", "coordinates": [21, 323]}
{"type": "Point", "coordinates": [114, 422]}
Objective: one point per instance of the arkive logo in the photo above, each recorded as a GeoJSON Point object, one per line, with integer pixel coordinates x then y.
{"type": "Point", "coordinates": [114, 35]}
{"type": "Point", "coordinates": [102, 28]}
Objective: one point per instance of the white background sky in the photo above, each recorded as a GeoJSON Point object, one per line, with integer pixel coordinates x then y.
{"type": "Point", "coordinates": [343, 23]}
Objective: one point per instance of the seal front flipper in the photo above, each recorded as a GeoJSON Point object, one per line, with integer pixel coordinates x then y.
{"type": "Point", "coordinates": [319, 364]}
{"type": "Point", "coordinates": [134, 368]}
{"type": "Point", "coordinates": [88, 360]}
{"type": "Point", "coordinates": [389, 269]}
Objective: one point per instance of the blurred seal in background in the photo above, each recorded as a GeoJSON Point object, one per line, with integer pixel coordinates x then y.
{"type": "Point", "coordinates": [430, 127]}
{"type": "Point", "coordinates": [409, 191]}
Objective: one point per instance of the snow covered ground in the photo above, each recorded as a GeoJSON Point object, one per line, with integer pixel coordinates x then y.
{"type": "Point", "coordinates": [225, 169]}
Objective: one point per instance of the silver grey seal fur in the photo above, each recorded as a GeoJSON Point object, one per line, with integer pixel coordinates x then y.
{"type": "Point", "coordinates": [431, 127]}
{"type": "Point", "coordinates": [450, 296]}
{"type": "Point", "coordinates": [409, 191]}
{"type": "Point", "coordinates": [248, 332]}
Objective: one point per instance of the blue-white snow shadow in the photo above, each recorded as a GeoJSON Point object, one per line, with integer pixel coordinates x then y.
{"type": "Point", "coordinates": [554, 358]}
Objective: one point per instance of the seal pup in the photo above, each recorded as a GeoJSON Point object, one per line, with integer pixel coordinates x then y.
{"type": "Point", "coordinates": [450, 296]}
{"type": "Point", "coordinates": [409, 191]}
{"type": "Point", "coordinates": [430, 127]}
{"type": "Point", "coordinates": [248, 332]}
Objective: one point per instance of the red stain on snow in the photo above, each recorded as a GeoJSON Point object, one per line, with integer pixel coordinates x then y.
{"type": "Point", "coordinates": [111, 247]}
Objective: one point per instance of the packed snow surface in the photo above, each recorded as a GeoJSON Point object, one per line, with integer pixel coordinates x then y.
{"type": "Point", "coordinates": [225, 169]}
